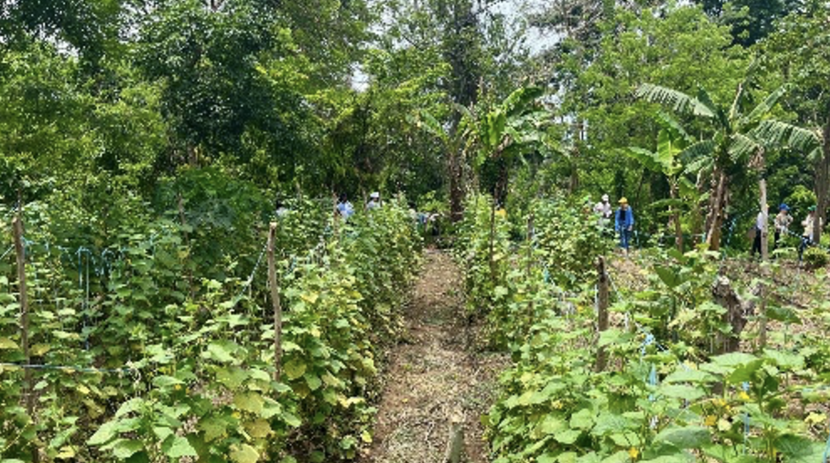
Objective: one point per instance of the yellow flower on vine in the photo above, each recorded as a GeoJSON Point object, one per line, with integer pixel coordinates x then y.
{"type": "Point", "coordinates": [557, 405]}
{"type": "Point", "coordinates": [711, 420]}
{"type": "Point", "coordinates": [743, 396]}
{"type": "Point", "coordinates": [633, 453]}
{"type": "Point", "coordinates": [236, 415]}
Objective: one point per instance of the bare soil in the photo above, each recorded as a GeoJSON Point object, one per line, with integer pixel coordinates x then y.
{"type": "Point", "coordinates": [434, 376]}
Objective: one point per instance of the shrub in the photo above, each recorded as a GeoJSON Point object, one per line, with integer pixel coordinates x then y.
{"type": "Point", "coordinates": [815, 257]}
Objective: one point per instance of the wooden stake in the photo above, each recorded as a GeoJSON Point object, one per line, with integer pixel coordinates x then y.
{"type": "Point", "coordinates": [602, 317]}
{"type": "Point", "coordinates": [275, 300]}
{"type": "Point", "coordinates": [529, 270]}
{"type": "Point", "coordinates": [455, 443]}
{"type": "Point", "coordinates": [762, 306]}
{"type": "Point", "coordinates": [336, 219]}
{"type": "Point", "coordinates": [492, 239]}
{"type": "Point", "coordinates": [187, 243]}
{"type": "Point", "coordinates": [20, 251]}
{"type": "Point", "coordinates": [762, 312]}
{"type": "Point", "coordinates": [765, 228]}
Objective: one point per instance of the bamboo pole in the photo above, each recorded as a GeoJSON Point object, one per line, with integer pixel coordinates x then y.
{"type": "Point", "coordinates": [189, 275]}
{"type": "Point", "coordinates": [20, 251]}
{"type": "Point", "coordinates": [602, 308]}
{"type": "Point", "coordinates": [762, 306]}
{"type": "Point", "coordinates": [275, 300]}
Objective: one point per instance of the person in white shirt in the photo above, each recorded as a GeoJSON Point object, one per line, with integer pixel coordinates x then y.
{"type": "Point", "coordinates": [344, 207]}
{"type": "Point", "coordinates": [604, 211]}
{"type": "Point", "coordinates": [760, 224]}
{"type": "Point", "coordinates": [782, 223]}
{"type": "Point", "coordinates": [374, 201]}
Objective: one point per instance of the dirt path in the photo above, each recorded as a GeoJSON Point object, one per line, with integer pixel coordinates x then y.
{"type": "Point", "coordinates": [433, 377]}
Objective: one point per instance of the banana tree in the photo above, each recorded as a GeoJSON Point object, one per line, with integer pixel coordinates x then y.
{"type": "Point", "coordinates": [672, 140]}
{"type": "Point", "coordinates": [738, 140]}
{"type": "Point", "coordinates": [489, 131]}
{"type": "Point", "coordinates": [506, 130]}
{"type": "Point", "coordinates": [456, 149]}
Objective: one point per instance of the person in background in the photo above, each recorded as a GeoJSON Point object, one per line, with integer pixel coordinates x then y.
{"type": "Point", "coordinates": [604, 209]}
{"type": "Point", "coordinates": [281, 209]}
{"type": "Point", "coordinates": [624, 224]}
{"type": "Point", "coordinates": [374, 201]}
{"type": "Point", "coordinates": [782, 224]}
{"type": "Point", "coordinates": [501, 211]}
{"type": "Point", "coordinates": [807, 236]}
{"type": "Point", "coordinates": [344, 207]}
{"type": "Point", "coordinates": [760, 222]}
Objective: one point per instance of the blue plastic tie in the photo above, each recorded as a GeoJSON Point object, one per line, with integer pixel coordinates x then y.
{"type": "Point", "coordinates": [649, 340]}
{"type": "Point", "coordinates": [7, 252]}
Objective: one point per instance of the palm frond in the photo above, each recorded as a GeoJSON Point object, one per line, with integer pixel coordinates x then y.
{"type": "Point", "coordinates": [667, 122]}
{"type": "Point", "coordinates": [815, 154]}
{"type": "Point", "coordinates": [645, 157]}
{"type": "Point", "coordinates": [519, 101]}
{"type": "Point", "coordinates": [736, 102]}
{"type": "Point", "coordinates": [428, 122]}
{"type": "Point", "coordinates": [697, 155]}
{"type": "Point", "coordinates": [743, 146]}
{"type": "Point", "coordinates": [774, 132]}
{"type": "Point", "coordinates": [706, 101]}
{"type": "Point", "coordinates": [464, 111]}
{"type": "Point", "coordinates": [766, 106]}
{"type": "Point", "coordinates": [678, 101]}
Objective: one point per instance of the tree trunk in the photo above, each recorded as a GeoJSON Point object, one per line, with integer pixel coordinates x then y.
{"type": "Point", "coordinates": [735, 316]}
{"type": "Point", "coordinates": [822, 187]}
{"type": "Point", "coordinates": [675, 215]}
{"type": "Point", "coordinates": [762, 186]}
{"type": "Point", "coordinates": [573, 181]}
{"type": "Point", "coordinates": [717, 205]}
{"type": "Point", "coordinates": [456, 185]}
{"type": "Point", "coordinates": [461, 41]}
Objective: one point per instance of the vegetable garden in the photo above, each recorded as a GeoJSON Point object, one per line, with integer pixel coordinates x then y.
{"type": "Point", "coordinates": [306, 231]}
{"type": "Point", "coordinates": [689, 366]}
{"type": "Point", "coordinates": [135, 350]}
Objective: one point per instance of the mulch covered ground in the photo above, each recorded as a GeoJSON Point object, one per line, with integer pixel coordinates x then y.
{"type": "Point", "coordinates": [434, 376]}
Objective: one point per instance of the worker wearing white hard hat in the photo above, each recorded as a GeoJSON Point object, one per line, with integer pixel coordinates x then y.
{"type": "Point", "coordinates": [604, 210]}
{"type": "Point", "coordinates": [374, 201]}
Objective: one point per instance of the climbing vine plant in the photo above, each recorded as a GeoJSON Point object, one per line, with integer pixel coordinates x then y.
{"type": "Point", "coordinates": [135, 356]}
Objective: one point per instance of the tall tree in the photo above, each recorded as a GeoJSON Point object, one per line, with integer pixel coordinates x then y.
{"type": "Point", "coordinates": [476, 45]}
{"type": "Point", "coordinates": [792, 54]}
{"type": "Point", "coordinates": [739, 136]}
{"type": "Point", "coordinates": [678, 47]}
{"type": "Point", "coordinates": [750, 20]}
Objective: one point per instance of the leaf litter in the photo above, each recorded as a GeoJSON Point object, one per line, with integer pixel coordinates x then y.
{"type": "Point", "coordinates": [435, 376]}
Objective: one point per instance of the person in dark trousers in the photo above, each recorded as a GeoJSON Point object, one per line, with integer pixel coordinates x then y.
{"type": "Point", "coordinates": [624, 224]}
{"type": "Point", "coordinates": [782, 224]}
{"type": "Point", "coordinates": [760, 221]}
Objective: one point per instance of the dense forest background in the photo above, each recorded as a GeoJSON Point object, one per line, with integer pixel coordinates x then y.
{"type": "Point", "coordinates": [109, 105]}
